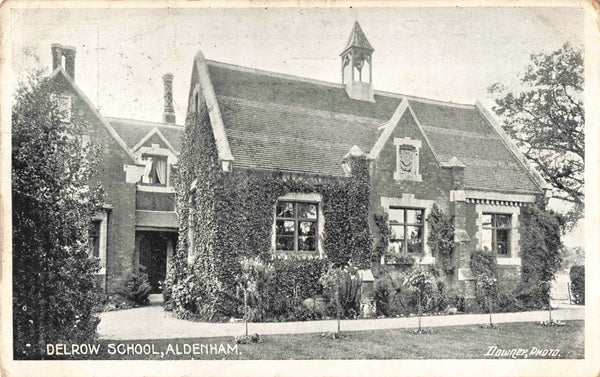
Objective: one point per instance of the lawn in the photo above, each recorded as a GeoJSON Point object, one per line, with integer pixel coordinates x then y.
{"type": "Point", "coordinates": [459, 342]}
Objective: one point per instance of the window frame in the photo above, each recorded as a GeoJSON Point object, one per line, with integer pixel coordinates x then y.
{"type": "Point", "coordinates": [94, 238]}
{"type": "Point", "coordinates": [405, 225]}
{"type": "Point", "coordinates": [494, 228]}
{"type": "Point", "coordinates": [153, 156]}
{"type": "Point", "coordinates": [297, 220]}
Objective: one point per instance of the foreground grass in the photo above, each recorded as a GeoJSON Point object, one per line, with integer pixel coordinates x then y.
{"type": "Point", "coordinates": [459, 342]}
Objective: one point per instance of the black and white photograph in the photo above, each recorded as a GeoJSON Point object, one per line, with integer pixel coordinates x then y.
{"type": "Point", "coordinates": [316, 188]}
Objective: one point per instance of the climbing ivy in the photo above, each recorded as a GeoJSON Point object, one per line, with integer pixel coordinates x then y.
{"type": "Point", "coordinates": [441, 237]}
{"type": "Point", "coordinates": [233, 219]}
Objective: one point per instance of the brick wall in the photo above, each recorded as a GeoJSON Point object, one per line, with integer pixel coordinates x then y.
{"type": "Point", "coordinates": [119, 195]}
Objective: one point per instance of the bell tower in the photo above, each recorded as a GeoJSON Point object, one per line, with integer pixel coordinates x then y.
{"type": "Point", "coordinates": [357, 78]}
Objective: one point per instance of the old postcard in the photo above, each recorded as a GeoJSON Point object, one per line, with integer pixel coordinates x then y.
{"type": "Point", "coordinates": [390, 188]}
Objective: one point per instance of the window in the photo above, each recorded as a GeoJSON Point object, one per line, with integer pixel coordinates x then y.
{"type": "Point", "coordinates": [407, 229]}
{"type": "Point", "coordinates": [155, 172]}
{"type": "Point", "coordinates": [94, 238]}
{"type": "Point", "coordinates": [496, 233]}
{"type": "Point", "coordinates": [64, 106]}
{"type": "Point", "coordinates": [296, 226]}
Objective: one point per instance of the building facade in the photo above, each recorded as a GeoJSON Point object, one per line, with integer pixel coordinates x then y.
{"type": "Point", "coordinates": [137, 228]}
{"type": "Point", "coordinates": [419, 152]}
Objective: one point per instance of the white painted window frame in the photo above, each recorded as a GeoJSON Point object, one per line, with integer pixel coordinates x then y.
{"type": "Point", "coordinates": [301, 197]}
{"type": "Point", "coordinates": [102, 217]}
{"type": "Point", "coordinates": [408, 201]}
{"type": "Point", "coordinates": [514, 212]}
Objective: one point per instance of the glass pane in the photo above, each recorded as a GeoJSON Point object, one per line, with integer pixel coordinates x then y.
{"type": "Point", "coordinates": [284, 227]}
{"type": "Point", "coordinates": [285, 209]}
{"type": "Point", "coordinates": [414, 216]}
{"type": "Point", "coordinates": [415, 246]}
{"type": "Point", "coordinates": [396, 216]}
{"type": "Point", "coordinates": [502, 236]}
{"type": "Point", "coordinates": [398, 246]}
{"type": "Point", "coordinates": [486, 242]}
{"type": "Point", "coordinates": [307, 228]}
{"type": "Point", "coordinates": [487, 220]}
{"type": "Point", "coordinates": [397, 232]}
{"type": "Point", "coordinates": [307, 243]}
{"type": "Point", "coordinates": [503, 221]}
{"type": "Point", "coordinates": [285, 243]}
{"type": "Point", "coordinates": [414, 232]}
{"type": "Point", "coordinates": [502, 248]}
{"type": "Point", "coordinates": [307, 211]}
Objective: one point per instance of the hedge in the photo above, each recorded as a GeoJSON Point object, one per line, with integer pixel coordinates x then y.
{"type": "Point", "coordinates": [577, 275]}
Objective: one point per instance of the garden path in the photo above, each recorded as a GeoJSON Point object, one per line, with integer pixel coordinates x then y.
{"type": "Point", "coordinates": [152, 322]}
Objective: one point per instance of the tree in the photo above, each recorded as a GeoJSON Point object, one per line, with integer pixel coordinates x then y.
{"type": "Point", "coordinates": [421, 283]}
{"type": "Point", "coordinates": [485, 271]}
{"type": "Point", "coordinates": [546, 119]}
{"type": "Point", "coordinates": [53, 205]}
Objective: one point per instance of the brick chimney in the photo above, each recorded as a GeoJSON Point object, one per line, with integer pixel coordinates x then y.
{"type": "Point", "coordinates": [169, 112]}
{"type": "Point", "coordinates": [69, 53]}
{"type": "Point", "coordinates": [57, 52]}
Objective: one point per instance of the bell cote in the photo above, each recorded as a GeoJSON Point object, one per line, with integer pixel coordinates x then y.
{"type": "Point", "coordinates": [356, 76]}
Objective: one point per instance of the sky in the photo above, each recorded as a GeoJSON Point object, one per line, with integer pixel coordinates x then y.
{"type": "Point", "coordinates": [452, 54]}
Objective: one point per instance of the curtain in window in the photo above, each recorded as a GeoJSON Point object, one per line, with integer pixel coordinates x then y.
{"type": "Point", "coordinates": [160, 165]}
{"type": "Point", "coordinates": [147, 171]}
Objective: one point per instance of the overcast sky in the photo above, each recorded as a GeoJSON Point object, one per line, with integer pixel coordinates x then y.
{"type": "Point", "coordinates": [451, 54]}
{"type": "Point", "coordinates": [443, 53]}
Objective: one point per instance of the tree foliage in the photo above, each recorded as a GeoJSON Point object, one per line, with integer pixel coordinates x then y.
{"type": "Point", "coordinates": [546, 119]}
{"type": "Point", "coordinates": [53, 275]}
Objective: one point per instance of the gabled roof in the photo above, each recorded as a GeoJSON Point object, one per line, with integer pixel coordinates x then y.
{"type": "Point", "coordinates": [134, 131]}
{"type": "Point", "coordinates": [60, 73]}
{"type": "Point", "coordinates": [277, 121]}
{"type": "Point", "coordinates": [358, 39]}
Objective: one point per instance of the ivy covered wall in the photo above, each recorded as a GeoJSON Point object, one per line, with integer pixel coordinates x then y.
{"type": "Point", "coordinates": [233, 216]}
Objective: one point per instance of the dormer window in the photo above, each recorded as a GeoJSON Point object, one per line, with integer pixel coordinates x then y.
{"type": "Point", "coordinates": [407, 159]}
{"type": "Point", "coordinates": [155, 172]}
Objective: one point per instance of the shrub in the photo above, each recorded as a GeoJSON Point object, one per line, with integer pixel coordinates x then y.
{"type": "Point", "coordinates": [136, 289]}
{"type": "Point", "coordinates": [441, 237]}
{"type": "Point", "coordinates": [346, 282]}
{"type": "Point", "coordinates": [384, 296]}
{"type": "Point", "coordinates": [292, 281]}
{"type": "Point", "coordinates": [53, 202]}
{"type": "Point", "coordinates": [577, 275]}
{"type": "Point", "coordinates": [541, 256]}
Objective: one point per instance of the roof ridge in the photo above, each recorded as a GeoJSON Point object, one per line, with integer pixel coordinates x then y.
{"type": "Point", "coordinates": [309, 80]}
{"type": "Point", "coordinates": [144, 122]}
{"type": "Point", "coordinates": [273, 74]}
{"type": "Point", "coordinates": [304, 110]}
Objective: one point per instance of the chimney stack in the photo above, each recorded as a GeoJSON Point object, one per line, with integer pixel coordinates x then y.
{"type": "Point", "coordinates": [69, 53]}
{"type": "Point", "coordinates": [57, 51]}
{"type": "Point", "coordinates": [169, 112]}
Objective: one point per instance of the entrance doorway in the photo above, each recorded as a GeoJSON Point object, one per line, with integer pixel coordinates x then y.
{"type": "Point", "coordinates": [154, 249]}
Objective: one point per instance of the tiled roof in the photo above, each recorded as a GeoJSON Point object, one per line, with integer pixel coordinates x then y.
{"type": "Point", "coordinates": [358, 39]}
{"type": "Point", "coordinates": [273, 136]}
{"type": "Point", "coordinates": [132, 131]}
{"type": "Point", "coordinates": [275, 121]}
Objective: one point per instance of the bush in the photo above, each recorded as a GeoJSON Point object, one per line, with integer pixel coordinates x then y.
{"type": "Point", "coordinates": [577, 275]}
{"type": "Point", "coordinates": [291, 282]}
{"type": "Point", "coordinates": [384, 296]}
{"type": "Point", "coordinates": [136, 289]}
{"type": "Point", "coordinates": [53, 203]}
{"type": "Point", "coordinates": [347, 282]}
